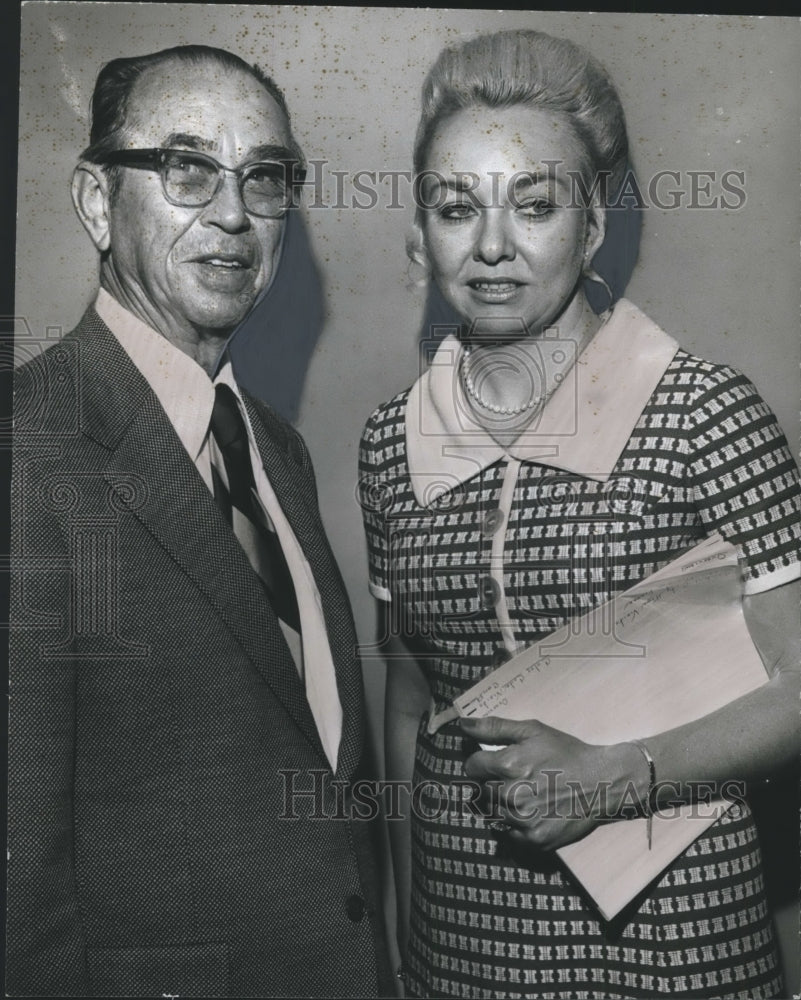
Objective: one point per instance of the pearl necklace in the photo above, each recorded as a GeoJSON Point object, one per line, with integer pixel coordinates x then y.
{"type": "Point", "coordinates": [506, 411]}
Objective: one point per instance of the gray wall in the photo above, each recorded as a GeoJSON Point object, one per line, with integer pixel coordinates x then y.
{"type": "Point", "coordinates": [700, 93]}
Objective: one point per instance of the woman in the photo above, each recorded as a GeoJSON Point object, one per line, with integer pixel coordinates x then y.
{"type": "Point", "coordinates": [484, 535]}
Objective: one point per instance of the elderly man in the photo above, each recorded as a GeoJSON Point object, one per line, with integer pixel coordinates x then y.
{"type": "Point", "coordinates": [186, 705]}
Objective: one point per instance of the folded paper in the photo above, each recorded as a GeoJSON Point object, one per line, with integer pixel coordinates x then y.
{"type": "Point", "coordinates": [668, 651]}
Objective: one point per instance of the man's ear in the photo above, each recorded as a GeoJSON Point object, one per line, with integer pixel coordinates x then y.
{"type": "Point", "coordinates": [90, 196]}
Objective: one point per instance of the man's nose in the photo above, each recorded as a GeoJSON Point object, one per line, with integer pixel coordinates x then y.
{"type": "Point", "coordinates": [226, 209]}
{"type": "Point", "coordinates": [494, 241]}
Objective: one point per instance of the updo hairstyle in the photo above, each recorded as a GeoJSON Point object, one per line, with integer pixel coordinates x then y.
{"type": "Point", "coordinates": [530, 68]}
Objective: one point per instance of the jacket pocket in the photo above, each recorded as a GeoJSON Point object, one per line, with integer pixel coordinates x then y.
{"type": "Point", "coordinates": [176, 970]}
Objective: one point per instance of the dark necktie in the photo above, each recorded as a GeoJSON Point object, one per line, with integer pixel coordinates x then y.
{"type": "Point", "coordinates": [230, 433]}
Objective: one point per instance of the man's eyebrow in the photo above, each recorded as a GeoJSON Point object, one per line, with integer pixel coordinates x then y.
{"type": "Point", "coordinates": [269, 152]}
{"type": "Point", "coordinates": [185, 140]}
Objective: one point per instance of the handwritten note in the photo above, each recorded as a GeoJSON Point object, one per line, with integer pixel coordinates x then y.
{"type": "Point", "coordinates": [669, 650]}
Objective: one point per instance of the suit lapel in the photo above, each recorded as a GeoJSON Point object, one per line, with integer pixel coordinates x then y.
{"type": "Point", "coordinates": [120, 410]}
{"type": "Point", "coordinates": [283, 458]}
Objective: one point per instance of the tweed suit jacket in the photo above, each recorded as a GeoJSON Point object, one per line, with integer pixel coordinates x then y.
{"type": "Point", "coordinates": [160, 742]}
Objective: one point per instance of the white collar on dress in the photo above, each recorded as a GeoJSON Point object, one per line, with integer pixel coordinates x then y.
{"type": "Point", "coordinates": [583, 427]}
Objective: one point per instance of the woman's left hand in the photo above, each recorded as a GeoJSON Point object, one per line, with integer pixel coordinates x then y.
{"type": "Point", "coordinates": [547, 786]}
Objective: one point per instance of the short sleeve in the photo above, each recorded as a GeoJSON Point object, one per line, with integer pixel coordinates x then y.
{"type": "Point", "coordinates": [745, 480]}
{"type": "Point", "coordinates": [373, 492]}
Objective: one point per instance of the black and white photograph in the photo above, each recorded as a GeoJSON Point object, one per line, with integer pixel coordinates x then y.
{"type": "Point", "coordinates": [405, 518]}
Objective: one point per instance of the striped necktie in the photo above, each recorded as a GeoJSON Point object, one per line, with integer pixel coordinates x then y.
{"type": "Point", "coordinates": [230, 433]}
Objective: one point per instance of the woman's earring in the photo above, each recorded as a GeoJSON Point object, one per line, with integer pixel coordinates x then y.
{"type": "Point", "coordinates": [417, 274]}
{"type": "Point", "coordinates": [418, 270]}
{"type": "Point", "coordinates": [591, 275]}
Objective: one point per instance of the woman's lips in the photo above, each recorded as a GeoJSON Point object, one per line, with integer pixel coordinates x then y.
{"type": "Point", "coordinates": [493, 289]}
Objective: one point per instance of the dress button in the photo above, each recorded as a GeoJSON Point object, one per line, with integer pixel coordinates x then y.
{"type": "Point", "coordinates": [488, 592]}
{"type": "Point", "coordinates": [492, 522]}
{"type": "Point", "coordinates": [354, 907]}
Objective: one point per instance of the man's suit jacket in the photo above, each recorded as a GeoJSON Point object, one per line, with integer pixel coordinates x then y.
{"type": "Point", "coordinates": [159, 733]}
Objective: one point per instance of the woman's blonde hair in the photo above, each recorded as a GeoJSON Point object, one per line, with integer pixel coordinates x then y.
{"type": "Point", "coordinates": [531, 68]}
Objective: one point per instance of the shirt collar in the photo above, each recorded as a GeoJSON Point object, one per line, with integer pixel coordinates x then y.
{"type": "Point", "coordinates": [183, 388]}
{"type": "Point", "coordinates": [582, 428]}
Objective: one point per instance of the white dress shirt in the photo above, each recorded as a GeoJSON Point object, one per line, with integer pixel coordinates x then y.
{"type": "Point", "coordinates": [186, 394]}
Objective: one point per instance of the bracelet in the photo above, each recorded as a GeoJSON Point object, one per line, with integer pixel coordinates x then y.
{"type": "Point", "coordinates": [649, 801]}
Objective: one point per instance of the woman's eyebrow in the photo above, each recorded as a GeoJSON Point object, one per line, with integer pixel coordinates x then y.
{"type": "Point", "coordinates": [467, 180]}
{"type": "Point", "coordinates": [461, 180]}
{"type": "Point", "coordinates": [539, 175]}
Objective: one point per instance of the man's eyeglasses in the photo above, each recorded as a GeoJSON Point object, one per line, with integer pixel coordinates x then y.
{"type": "Point", "coordinates": [191, 180]}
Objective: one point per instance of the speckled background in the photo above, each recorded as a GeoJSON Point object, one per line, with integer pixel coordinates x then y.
{"type": "Point", "coordinates": [700, 94]}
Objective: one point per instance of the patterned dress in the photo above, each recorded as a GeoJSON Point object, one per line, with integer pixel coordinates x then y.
{"type": "Point", "coordinates": [481, 551]}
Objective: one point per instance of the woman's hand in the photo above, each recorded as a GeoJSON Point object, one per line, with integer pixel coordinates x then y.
{"type": "Point", "coordinates": [549, 787]}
